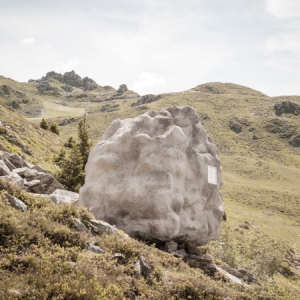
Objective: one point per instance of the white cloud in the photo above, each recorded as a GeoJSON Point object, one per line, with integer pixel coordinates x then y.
{"type": "Point", "coordinates": [283, 8]}
{"type": "Point", "coordinates": [150, 83]}
{"type": "Point", "coordinates": [29, 40]}
{"type": "Point", "coordinates": [68, 65]}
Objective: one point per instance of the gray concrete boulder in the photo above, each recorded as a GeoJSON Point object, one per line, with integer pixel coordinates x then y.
{"type": "Point", "coordinates": [157, 177]}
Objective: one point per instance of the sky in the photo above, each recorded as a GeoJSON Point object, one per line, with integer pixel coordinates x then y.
{"type": "Point", "coordinates": [155, 46]}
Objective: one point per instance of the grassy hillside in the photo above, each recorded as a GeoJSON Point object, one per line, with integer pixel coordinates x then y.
{"type": "Point", "coordinates": [43, 256]}
{"type": "Point", "coordinates": [19, 136]}
{"type": "Point", "coordinates": [261, 171]}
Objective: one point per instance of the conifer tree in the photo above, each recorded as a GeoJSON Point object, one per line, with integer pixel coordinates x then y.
{"type": "Point", "coordinates": [70, 143]}
{"type": "Point", "coordinates": [71, 174]}
{"type": "Point", "coordinates": [84, 144]}
{"type": "Point", "coordinates": [54, 128]}
{"type": "Point", "coordinates": [44, 124]}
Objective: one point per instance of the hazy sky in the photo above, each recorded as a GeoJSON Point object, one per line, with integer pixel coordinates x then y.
{"type": "Point", "coordinates": [155, 46]}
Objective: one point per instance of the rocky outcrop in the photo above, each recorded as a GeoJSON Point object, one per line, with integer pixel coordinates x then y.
{"type": "Point", "coordinates": [44, 86]}
{"type": "Point", "coordinates": [147, 99]}
{"type": "Point", "coordinates": [34, 179]}
{"type": "Point", "coordinates": [157, 177]}
{"type": "Point", "coordinates": [287, 107]}
{"type": "Point", "coordinates": [122, 88]}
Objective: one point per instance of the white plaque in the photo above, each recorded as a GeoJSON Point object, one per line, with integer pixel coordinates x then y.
{"type": "Point", "coordinates": [212, 175]}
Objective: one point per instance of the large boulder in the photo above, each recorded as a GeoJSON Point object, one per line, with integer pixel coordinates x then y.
{"type": "Point", "coordinates": [157, 177]}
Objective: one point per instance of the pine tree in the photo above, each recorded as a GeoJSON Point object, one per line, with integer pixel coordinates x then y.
{"type": "Point", "coordinates": [58, 160]}
{"type": "Point", "coordinates": [70, 143]}
{"type": "Point", "coordinates": [84, 144]}
{"type": "Point", "coordinates": [71, 174]}
{"type": "Point", "coordinates": [44, 124]}
{"type": "Point", "coordinates": [54, 128]}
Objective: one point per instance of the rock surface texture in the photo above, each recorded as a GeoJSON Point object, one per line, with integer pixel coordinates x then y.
{"type": "Point", "coordinates": [149, 177]}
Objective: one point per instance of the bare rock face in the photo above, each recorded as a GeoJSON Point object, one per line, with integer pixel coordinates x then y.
{"type": "Point", "coordinates": [157, 177]}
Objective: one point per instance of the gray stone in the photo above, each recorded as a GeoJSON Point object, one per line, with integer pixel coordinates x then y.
{"type": "Point", "coordinates": [4, 170]}
{"type": "Point", "coordinates": [230, 277]}
{"type": "Point", "coordinates": [170, 246]}
{"type": "Point", "coordinates": [101, 227]}
{"type": "Point", "coordinates": [48, 183]}
{"type": "Point", "coordinates": [149, 177]}
{"type": "Point", "coordinates": [16, 203]}
{"type": "Point", "coordinates": [24, 172]}
{"type": "Point", "coordinates": [16, 160]}
{"type": "Point", "coordinates": [4, 155]}
{"type": "Point", "coordinates": [32, 183]}
{"type": "Point", "coordinates": [9, 164]}
{"type": "Point", "coordinates": [94, 249]}
{"type": "Point", "coordinates": [39, 169]}
{"type": "Point", "coordinates": [63, 196]}
{"type": "Point", "coordinates": [14, 179]}
{"type": "Point", "coordinates": [180, 253]}
{"type": "Point", "coordinates": [122, 88]}
{"type": "Point", "coordinates": [79, 225]}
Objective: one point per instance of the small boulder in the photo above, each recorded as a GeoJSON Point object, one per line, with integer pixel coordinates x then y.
{"type": "Point", "coordinates": [63, 196]}
{"type": "Point", "coordinates": [39, 169]}
{"type": "Point", "coordinates": [16, 203]}
{"type": "Point", "coordinates": [170, 247]}
{"type": "Point", "coordinates": [4, 170]}
{"type": "Point", "coordinates": [101, 227]}
{"type": "Point", "coordinates": [235, 126]}
{"type": "Point", "coordinates": [14, 179]}
{"type": "Point", "coordinates": [94, 249]}
{"type": "Point", "coordinates": [9, 164]}
{"type": "Point", "coordinates": [16, 160]}
{"type": "Point", "coordinates": [79, 225]}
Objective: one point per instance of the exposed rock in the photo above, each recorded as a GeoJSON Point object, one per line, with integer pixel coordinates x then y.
{"type": "Point", "coordinates": [4, 155]}
{"type": "Point", "coordinates": [48, 184]}
{"type": "Point", "coordinates": [230, 277]}
{"type": "Point", "coordinates": [67, 88]}
{"type": "Point", "coordinates": [235, 126]}
{"type": "Point", "coordinates": [16, 160]}
{"type": "Point", "coordinates": [63, 196]}
{"type": "Point", "coordinates": [295, 141]}
{"type": "Point", "coordinates": [287, 107]}
{"type": "Point", "coordinates": [94, 249]}
{"type": "Point", "coordinates": [9, 164]}
{"type": "Point", "coordinates": [73, 79]}
{"type": "Point", "coordinates": [79, 225]}
{"type": "Point", "coordinates": [147, 99]}
{"type": "Point", "coordinates": [269, 213]}
{"type": "Point", "coordinates": [122, 88]}
{"type": "Point", "coordinates": [66, 122]}
{"type": "Point", "coordinates": [171, 247]}
{"type": "Point", "coordinates": [16, 203]}
{"type": "Point", "coordinates": [25, 172]}
{"type": "Point", "coordinates": [101, 227]}
{"type": "Point", "coordinates": [149, 177]}
{"type": "Point", "coordinates": [14, 179]}
{"type": "Point", "coordinates": [180, 253]}
{"type": "Point", "coordinates": [44, 86]}
{"type": "Point", "coordinates": [143, 268]}
{"type": "Point", "coordinates": [31, 184]}
{"type": "Point", "coordinates": [89, 84]}
{"type": "Point", "coordinates": [1, 146]}
{"type": "Point", "coordinates": [4, 170]}
{"type": "Point", "coordinates": [39, 169]}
